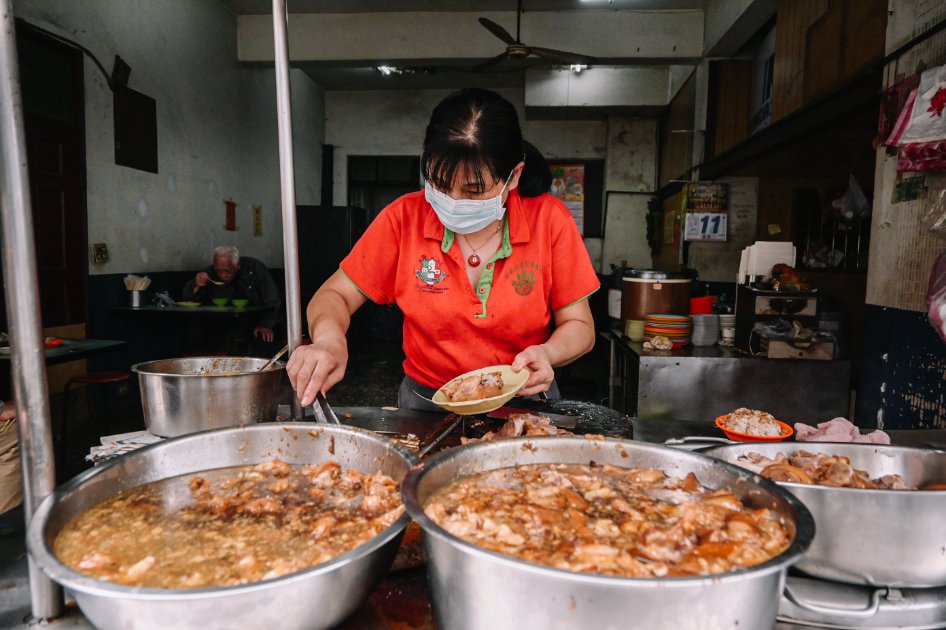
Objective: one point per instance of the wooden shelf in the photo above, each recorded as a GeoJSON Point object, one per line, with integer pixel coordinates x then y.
{"type": "Point", "coordinates": [855, 94]}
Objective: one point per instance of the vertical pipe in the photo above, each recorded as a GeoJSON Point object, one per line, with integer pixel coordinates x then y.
{"type": "Point", "coordinates": [287, 182]}
{"type": "Point", "coordinates": [19, 276]}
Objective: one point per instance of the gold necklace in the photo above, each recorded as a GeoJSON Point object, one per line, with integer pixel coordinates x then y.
{"type": "Point", "coordinates": [473, 260]}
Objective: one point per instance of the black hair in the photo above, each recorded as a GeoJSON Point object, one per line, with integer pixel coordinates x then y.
{"type": "Point", "coordinates": [475, 130]}
{"type": "Point", "coordinates": [536, 177]}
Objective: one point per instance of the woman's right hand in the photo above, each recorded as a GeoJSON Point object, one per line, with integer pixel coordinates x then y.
{"type": "Point", "coordinates": [317, 367]}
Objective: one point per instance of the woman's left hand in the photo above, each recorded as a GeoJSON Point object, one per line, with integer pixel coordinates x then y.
{"type": "Point", "coordinates": [536, 359]}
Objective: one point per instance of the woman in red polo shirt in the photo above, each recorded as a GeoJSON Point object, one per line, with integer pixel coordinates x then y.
{"type": "Point", "coordinates": [487, 268]}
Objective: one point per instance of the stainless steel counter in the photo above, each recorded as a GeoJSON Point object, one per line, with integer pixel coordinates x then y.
{"type": "Point", "coordinates": [401, 601]}
{"type": "Point", "coordinates": [692, 383]}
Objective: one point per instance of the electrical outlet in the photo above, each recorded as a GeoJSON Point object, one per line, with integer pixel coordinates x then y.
{"type": "Point", "coordinates": [99, 253]}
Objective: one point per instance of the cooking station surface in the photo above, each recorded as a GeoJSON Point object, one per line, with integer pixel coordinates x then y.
{"type": "Point", "coordinates": [401, 600]}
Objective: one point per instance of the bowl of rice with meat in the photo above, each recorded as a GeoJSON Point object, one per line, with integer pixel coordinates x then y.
{"type": "Point", "coordinates": [752, 425]}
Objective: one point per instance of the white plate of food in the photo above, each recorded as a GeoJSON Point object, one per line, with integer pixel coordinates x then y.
{"type": "Point", "coordinates": [480, 391]}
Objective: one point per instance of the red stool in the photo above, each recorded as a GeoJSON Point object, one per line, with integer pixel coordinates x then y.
{"type": "Point", "coordinates": [87, 379]}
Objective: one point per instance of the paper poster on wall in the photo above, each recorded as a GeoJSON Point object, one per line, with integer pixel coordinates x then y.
{"type": "Point", "coordinates": [705, 226]}
{"type": "Point", "coordinates": [670, 221]}
{"type": "Point", "coordinates": [568, 184]}
{"type": "Point", "coordinates": [719, 261]}
{"type": "Point", "coordinates": [257, 220]}
{"type": "Point", "coordinates": [230, 215]}
{"type": "Point", "coordinates": [707, 196]}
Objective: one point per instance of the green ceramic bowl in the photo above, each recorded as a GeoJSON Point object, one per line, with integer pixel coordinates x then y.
{"type": "Point", "coordinates": [220, 301]}
{"type": "Point", "coordinates": [240, 302]}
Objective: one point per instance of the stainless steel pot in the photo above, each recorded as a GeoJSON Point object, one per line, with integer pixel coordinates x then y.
{"type": "Point", "coordinates": [473, 588]}
{"type": "Point", "coordinates": [318, 597]}
{"type": "Point", "coordinates": [876, 537]}
{"type": "Point", "coordinates": [181, 396]}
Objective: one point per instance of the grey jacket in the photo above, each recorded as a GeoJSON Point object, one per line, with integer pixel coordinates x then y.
{"type": "Point", "coordinates": [253, 282]}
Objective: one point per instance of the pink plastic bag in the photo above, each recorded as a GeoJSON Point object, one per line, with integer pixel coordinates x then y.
{"type": "Point", "coordinates": [920, 130]}
{"type": "Point", "coordinates": [936, 296]}
{"type": "Point", "coordinates": [917, 157]}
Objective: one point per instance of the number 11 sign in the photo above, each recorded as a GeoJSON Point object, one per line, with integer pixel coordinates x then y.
{"type": "Point", "coordinates": [705, 226]}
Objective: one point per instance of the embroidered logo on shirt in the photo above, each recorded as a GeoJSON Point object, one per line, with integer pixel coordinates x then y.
{"type": "Point", "coordinates": [524, 282]}
{"type": "Point", "coordinates": [525, 276]}
{"type": "Point", "coordinates": [429, 272]}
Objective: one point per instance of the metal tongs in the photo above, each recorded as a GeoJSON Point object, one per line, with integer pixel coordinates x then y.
{"type": "Point", "coordinates": [323, 411]}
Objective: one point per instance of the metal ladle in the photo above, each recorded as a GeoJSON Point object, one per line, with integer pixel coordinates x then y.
{"type": "Point", "coordinates": [275, 358]}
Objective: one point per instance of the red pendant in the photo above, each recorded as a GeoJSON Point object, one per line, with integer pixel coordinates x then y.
{"type": "Point", "coordinates": [473, 260]}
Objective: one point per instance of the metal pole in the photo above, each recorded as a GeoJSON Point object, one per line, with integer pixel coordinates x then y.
{"type": "Point", "coordinates": [287, 182]}
{"type": "Point", "coordinates": [19, 276]}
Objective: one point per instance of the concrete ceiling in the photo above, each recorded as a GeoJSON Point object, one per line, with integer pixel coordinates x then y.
{"type": "Point", "coordinates": [440, 49]}
{"type": "Point", "coordinates": [265, 7]}
{"type": "Point", "coordinates": [436, 44]}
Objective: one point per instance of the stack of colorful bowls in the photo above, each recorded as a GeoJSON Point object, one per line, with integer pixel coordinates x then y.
{"type": "Point", "coordinates": [676, 328]}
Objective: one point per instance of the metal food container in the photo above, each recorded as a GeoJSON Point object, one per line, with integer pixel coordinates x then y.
{"type": "Point", "coordinates": [181, 396]}
{"type": "Point", "coordinates": [472, 588]}
{"type": "Point", "coordinates": [877, 537]}
{"type": "Point", "coordinates": [318, 597]}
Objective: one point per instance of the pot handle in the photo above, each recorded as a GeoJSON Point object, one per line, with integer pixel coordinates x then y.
{"type": "Point", "coordinates": [869, 611]}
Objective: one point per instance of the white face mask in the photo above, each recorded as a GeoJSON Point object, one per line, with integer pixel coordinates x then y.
{"type": "Point", "coordinates": [465, 216]}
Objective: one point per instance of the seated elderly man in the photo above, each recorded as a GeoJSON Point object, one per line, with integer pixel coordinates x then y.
{"type": "Point", "coordinates": [233, 276]}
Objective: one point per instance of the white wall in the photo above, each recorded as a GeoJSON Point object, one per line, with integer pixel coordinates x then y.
{"type": "Point", "coordinates": [393, 123]}
{"type": "Point", "coordinates": [216, 132]}
{"type": "Point", "coordinates": [631, 167]}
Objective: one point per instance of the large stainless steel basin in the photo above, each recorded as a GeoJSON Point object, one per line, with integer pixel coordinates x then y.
{"type": "Point", "coordinates": [473, 588]}
{"type": "Point", "coordinates": [876, 537]}
{"type": "Point", "coordinates": [318, 597]}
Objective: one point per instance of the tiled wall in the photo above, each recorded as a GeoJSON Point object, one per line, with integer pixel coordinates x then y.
{"type": "Point", "coordinates": [903, 372]}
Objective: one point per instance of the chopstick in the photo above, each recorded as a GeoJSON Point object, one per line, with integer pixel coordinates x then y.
{"type": "Point", "coordinates": [137, 283]}
{"type": "Point", "coordinates": [437, 440]}
{"type": "Point", "coordinates": [323, 411]}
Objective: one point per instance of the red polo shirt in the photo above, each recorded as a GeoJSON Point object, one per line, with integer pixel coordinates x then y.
{"type": "Point", "coordinates": [406, 256]}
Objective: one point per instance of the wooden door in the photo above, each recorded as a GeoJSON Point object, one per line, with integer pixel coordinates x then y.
{"type": "Point", "coordinates": [52, 87]}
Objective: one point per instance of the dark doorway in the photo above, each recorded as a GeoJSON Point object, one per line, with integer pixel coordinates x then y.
{"type": "Point", "coordinates": [374, 181]}
{"type": "Point", "coordinates": [54, 120]}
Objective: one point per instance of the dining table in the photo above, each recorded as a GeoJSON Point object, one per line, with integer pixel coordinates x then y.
{"type": "Point", "coordinates": [188, 329]}
{"type": "Point", "coordinates": [202, 311]}
{"type": "Point", "coordinates": [62, 350]}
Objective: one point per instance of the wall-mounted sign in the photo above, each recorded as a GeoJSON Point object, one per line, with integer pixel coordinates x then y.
{"type": "Point", "coordinates": [707, 196]}
{"type": "Point", "coordinates": [230, 215]}
{"type": "Point", "coordinates": [568, 184]}
{"type": "Point", "coordinates": [257, 220]}
{"type": "Point", "coordinates": [705, 226]}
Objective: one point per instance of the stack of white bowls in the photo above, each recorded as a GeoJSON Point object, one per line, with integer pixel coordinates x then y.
{"type": "Point", "coordinates": [705, 330]}
{"type": "Point", "coordinates": [727, 328]}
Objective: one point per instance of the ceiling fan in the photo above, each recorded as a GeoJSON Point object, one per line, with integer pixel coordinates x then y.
{"type": "Point", "coordinates": [515, 49]}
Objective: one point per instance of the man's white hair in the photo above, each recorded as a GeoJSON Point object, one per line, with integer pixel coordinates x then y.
{"type": "Point", "coordinates": [227, 251]}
